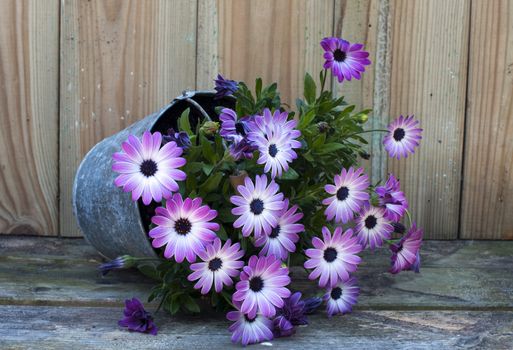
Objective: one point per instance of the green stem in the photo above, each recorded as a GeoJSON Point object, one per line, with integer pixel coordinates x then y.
{"type": "Point", "coordinates": [409, 217]}
{"type": "Point", "coordinates": [367, 131]}
{"type": "Point", "coordinates": [323, 81]}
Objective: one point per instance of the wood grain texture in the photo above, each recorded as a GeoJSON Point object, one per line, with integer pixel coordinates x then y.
{"type": "Point", "coordinates": [367, 22]}
{"type": "Point", "coordinates": [53, 297]}
{"type": "Point", "coordinates": [455, 275]}
{"type": "Point", "coordinates": [487, 201]}
{"type": "Point", "coordinates": [121, 60]}
{"type": "Point", "coordinates": [275, 40]}
{"type": "Point", "coordinates": [29, 80]}
{"type": "Point", "coordinates": [32, 327]}
{"type": "Point", "coordinates": [428, 78]}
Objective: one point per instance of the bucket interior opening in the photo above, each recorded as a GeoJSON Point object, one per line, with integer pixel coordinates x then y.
{"type": "Point", "coordinates": [169, 119]}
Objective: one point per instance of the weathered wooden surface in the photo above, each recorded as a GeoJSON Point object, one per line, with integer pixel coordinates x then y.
{"type": "Point", "coordinates": [53, 298]}
{"type": "Point", "coordinates": [29, 92]}
{"type": "Point", "coordinates": [487, 201]}
{"type": "Point", "coordinates": [95, 328]}
{"type": "Point", "coordinates": [455, 275]}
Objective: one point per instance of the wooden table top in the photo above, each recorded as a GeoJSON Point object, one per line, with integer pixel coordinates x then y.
{"type": "Point", "coordinates": [52, 296]}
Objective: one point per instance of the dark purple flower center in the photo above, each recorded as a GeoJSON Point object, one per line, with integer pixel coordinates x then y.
{"type": "Point", "coordinates": [256, 206]}
{"type": "Point", "coordinates": [148, 168]}
{"type": "Point", "coordinates": [336, 293]}
{"type": "Point", "coordinates": [256, 284]}
{"type": "Point", "coordinates": [339, 55]}
{"type": "Point", "coordinates": [370, 222]}
{"type": "Point", "coordinates": [330, 254]}
{"type": "Point", "coordinates": [275, 232]}
{"type": "Point", "coordinates": [342, 193]}
{"type": "Point", "coordinates": [215, 264]}
{"type": "Point", "coordinates": [239, 128]}
{"type": "Point", "coordinates": [399, 134]}
{"type": "Point", "coordinates": [183, 226]}
{"type": "Point", "coordinates": [273, 150]}
{"type": "Point", "coordinates": [248, 319]}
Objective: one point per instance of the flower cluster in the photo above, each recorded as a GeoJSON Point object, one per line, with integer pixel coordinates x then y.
{"type": "Point", "coordinates": [248, 194]}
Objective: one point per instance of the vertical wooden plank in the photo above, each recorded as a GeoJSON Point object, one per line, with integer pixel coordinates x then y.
{"type": "Point", "coordinates": [207, 56]}
{"type": "Point", "coordinates": [428, 78]}
{"type": "Point", "coordinates": [121, 60]}
{"type": "Point", "coordinates": [487, 200]}
{"type": "Point", "coordinates": [367, 22]}
{"type": "Point", "coordinates": [275, 40]}
{"type": "Point", "coordinates": [29, 79]}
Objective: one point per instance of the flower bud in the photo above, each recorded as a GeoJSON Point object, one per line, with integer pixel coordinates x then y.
{"type": "Point", "coordinates": [209, 128]}
{"type": "Point", "coordinates": [323, 127]}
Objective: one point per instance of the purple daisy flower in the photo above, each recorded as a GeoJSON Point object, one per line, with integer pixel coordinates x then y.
{"type": "Point", "coordinates": [181, 138]}
{"type": "Point", "coordinates": [219, 266]}
{"type": "Point", "coordinates": [275, 141]}
{"type": "Point", "coordinates": [258, 206]}
{"type": "Point", "coordinates": [233, 128]}
{"type": "Point", "coordinates": [349, 193]}
{"type": "Point", "coordinates": [342, 297]}
{"type": "Point", "coordinates": [346, 61]}
{"type": "Point", "coordinates": [334, 258]}
{"type": "Point", "coordinates": [184, 227]}
{"type": "Point", "coordinates": [403, 136]}
{"type": "Point", "coordinates": [284, 235]}
{"type": "Point", "coordinates": [249, 330]}
{"type": "Point", "coordinates": [148, 170]}
{"type": "Point", "coordinates": [294, 310]}
{"type": "Point", "coordinates": [262, 286]}
{"type": "Point", "coordinates": [282, 327]}
{"type": "Point", "coordinates": [405, 253]}
{"type": "Point", "coordinates": [224, 87]}
{"type": "Point", "coordinates": [372, 227]}
{"type": "Point", "coordinates": [137, 319]}
{"type": "Point", "coordinates": [120, 263]}
{"type": "Point", "coordinates": [392, 199]}
{"type": "Point", "coordinates": [242, 149]}
{"type": "Point", "coordinates": [312, 304]}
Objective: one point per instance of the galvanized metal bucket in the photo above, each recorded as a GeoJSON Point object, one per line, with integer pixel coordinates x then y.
{"type": "Point", "coordinates": [107, 216]}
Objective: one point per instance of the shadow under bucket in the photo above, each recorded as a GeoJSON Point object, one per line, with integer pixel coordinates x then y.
{"type": "Point", "coordinates": [109, 219]}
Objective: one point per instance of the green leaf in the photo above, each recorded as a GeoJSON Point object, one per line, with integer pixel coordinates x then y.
{"type": "Point", "coordinates": [207, 168]}
{"type": "Point", "coordinates": [330, 147]}
{"type": "Point", "coordinates": [149, 270]}
{"type": "Point", "coordinates": [208, 150]}
{"type": "Point", "coordinates": [310, 90]}
{"type": "Point", "coordinates": [258, 87]}
{"type": "Point", "coordinates": [290, 174]}
{"type": "Point", "coordinates": [190, 304]}
{"type": "Point", "coordinates": [212, 183]}
{"type": "Point", "coordinates": [306, 119]}
{"type": "Point", "coordinates": [183, 122]}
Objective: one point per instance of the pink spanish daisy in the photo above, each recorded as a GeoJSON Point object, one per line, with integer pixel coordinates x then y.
{"type": "Point", "coordinates": [219, 266]}
{"type": "Point", "coordinates": [249, 330]}
{"type": "Point", "coordinates": [392, 199]}
{"type": "Point", "coordinates": [372, 227]}
{"type": "Point", "coordinates": [342, 297]}
{"type": "Point", "coordinates": [346, 61]}
{"type": "Point", "coordinates": [284, 235]}
{"type": "Point", "coordinates": [258, 206]}
{"type": "Point", "coordinates": [146, 169]}
{"type": "Point", "coordinates": [334, 258]}
{"type": "Point", "coordinates": [348, 195]}
{"type": "Point", "coordinates": [262, 286]}
{"type": "Point", "coordinates": [403, 136]}
{"type": "Point", "coordinates": [405, 253]}
{"type": "Point", "coordinates": [275, 141]}
{"type": "Point", "coordinates": [184, 227]}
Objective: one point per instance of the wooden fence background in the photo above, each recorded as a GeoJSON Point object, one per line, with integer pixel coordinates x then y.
{"type": "Point", "coordinates": [75, 71]}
